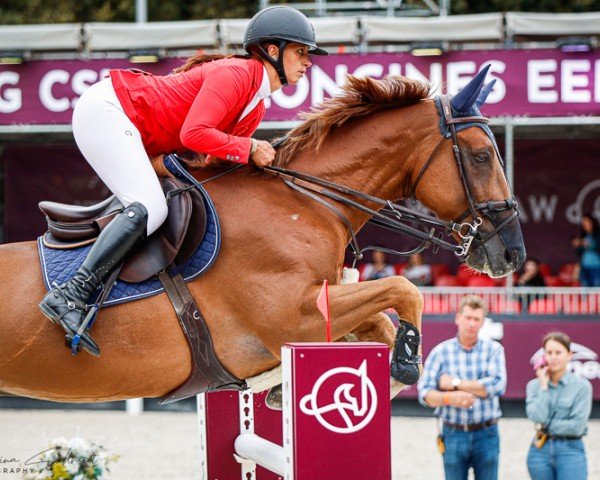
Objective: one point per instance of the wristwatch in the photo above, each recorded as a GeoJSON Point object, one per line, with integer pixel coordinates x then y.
{"type": "Point", "coordinates": [455, 383]}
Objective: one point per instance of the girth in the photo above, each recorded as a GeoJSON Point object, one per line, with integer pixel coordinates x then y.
{"type": "Point", "coordinates": [208, 374]}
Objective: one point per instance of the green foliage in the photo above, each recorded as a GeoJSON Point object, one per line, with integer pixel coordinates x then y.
{"type": "Point", "coordinates": [548, 6]}
{"type": "Point", "coordinates": [13, 12]}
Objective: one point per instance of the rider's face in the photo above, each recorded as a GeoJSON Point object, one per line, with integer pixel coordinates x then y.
{"type": "Point", "coordinates": [296, 62]}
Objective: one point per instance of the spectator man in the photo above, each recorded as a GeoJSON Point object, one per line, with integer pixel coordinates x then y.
{"type": "Point", "coordinates": [462, 379]}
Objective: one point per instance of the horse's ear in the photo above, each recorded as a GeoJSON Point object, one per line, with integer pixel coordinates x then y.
{"type": "Point", "coordinates": [465, 99]}
{"type": "Point", "coordinates": [485, 91]}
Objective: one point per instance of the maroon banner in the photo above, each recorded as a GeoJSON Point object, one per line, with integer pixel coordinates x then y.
{"type": "Point", "coordinates": [542, 82]}
{"type": "Point", "coordinates": [556, 182]}
{"type": "Point", "coordinates": [522, 343]}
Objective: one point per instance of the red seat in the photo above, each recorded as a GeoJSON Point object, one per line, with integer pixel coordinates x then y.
{"type": "Point", "coordinates": [566, 274]}
{"type": "Point", "coordinates": [439, 269]}
{"type": "Point", "coordinates": [481, 281]}
{"type": "Point", "coordinates": [465, 272]}
{"type": "Point", "coordinates": [361, 269]}
{"type": "Point", "coordinates": [545, 270]}
{"type": "Point", "coordinates": [554, 281]}
{"type": "Point", "coordinates": [399, 267]}
{"type": "Point", "coordinates": [446, 281]}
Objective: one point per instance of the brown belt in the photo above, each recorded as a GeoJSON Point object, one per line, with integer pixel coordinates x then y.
{"type": "Point", "coordinates": [466, 427]}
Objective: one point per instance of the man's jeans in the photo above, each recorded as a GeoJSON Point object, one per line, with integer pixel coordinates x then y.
{"type": "Point", "coordinates": [478, 449]}
{"type": "Point", "coordinates": [558, 460]}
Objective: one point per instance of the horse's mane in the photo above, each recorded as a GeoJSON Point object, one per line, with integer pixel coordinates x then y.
{"type": "Point", "coordinates": [359, 97]}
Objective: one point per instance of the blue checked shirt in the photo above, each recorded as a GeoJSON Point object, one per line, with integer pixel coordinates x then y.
{"type": "Point", "coordinates": [484, 362]}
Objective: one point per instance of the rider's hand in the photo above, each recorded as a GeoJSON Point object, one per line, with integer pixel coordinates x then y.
{"type": "Point", "coordinates": [264, 154]}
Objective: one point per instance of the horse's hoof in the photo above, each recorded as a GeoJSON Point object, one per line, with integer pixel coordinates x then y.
{"type": "Point", "coordinates": [274, 399]}
{"type": "Point", "coordinates": [405, 360]}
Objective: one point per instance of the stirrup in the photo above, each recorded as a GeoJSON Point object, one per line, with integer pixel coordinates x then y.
{"type": "Point", "coordinates": [405, 360]}
{"type": "Point", "coordinates": [73, 342]}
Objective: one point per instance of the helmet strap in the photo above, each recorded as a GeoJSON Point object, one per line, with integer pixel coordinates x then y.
{"type": "Point", "coordinates": [277, 64]}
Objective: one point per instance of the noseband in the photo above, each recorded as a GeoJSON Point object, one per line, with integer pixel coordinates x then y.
{"type": "Point", "coordinates": [393, 216]}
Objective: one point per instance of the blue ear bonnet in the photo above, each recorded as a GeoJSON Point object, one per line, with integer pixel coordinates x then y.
{"type": "Point", "coordinates": [471, 112]}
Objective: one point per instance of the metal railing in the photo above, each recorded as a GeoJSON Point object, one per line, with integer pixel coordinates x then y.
{"type": "Point", "coordinates": [572, 301]}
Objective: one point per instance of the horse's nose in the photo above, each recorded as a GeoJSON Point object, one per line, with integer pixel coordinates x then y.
{"type": "Point", "coordinates": [516, 257]}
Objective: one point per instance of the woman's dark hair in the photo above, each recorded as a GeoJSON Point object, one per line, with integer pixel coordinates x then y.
{"type": "Point", "coordinates": [595, 225]}
{"type": "Point", "coordinates": [202, 57]}
{"type": "Point", "coordinates": [559, 337]}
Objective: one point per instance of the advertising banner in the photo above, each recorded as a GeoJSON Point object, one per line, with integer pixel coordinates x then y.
{"type": "Point", "coordinates": [522, 341]}
{"type": "Point", "coordinates": [541, 82]}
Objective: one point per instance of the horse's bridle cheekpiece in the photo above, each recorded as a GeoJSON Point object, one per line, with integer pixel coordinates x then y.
{"type": "Point", "coordinates": [456, 114]}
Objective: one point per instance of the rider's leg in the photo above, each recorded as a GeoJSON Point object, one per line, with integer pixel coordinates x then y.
{"type": "Point", "coordinates": [112, 145]}
{"type": "Point", "coordinates": [66, 305]}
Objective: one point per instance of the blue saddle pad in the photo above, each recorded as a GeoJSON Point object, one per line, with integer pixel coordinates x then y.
{"type": "Point", "coordinates": [60, 265]}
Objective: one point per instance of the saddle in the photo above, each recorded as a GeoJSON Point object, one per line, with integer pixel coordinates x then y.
{"type": "Point", "coordinates": [72, 226]}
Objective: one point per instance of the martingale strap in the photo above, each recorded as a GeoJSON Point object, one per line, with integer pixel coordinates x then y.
{"type": "Point", "coordinates": [208, 373]}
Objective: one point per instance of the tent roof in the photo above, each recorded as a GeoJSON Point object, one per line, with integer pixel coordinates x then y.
{"type": "Point", "coordinates": [329, 31]}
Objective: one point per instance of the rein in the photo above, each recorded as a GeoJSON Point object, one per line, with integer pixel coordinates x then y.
{"type": "Point", "coordinates": [392, 215]}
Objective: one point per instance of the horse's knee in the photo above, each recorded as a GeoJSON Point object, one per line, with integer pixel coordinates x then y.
{"type": "Point", "coordinates": [409, 293]}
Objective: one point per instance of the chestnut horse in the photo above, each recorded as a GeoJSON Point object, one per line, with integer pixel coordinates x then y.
{"type": "Point", "coordinates": [381, 137]}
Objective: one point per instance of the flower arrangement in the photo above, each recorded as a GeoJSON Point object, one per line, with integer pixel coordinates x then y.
{"type": "Point", "coordinates": [73, 459]}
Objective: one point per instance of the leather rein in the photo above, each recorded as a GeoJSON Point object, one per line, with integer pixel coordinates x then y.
{"type": "Point", "coordinates": [392, 215]}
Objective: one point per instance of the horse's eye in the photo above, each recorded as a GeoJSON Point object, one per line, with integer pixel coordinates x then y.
{"type": "Point", "coordinates": [482, 158]}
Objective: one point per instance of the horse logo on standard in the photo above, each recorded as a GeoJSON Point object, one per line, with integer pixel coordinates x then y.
{"type": "Point", "coordinates": [353, 403]}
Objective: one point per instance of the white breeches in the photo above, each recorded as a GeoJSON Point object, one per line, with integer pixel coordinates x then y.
{"type": "Point", "coordinates": [113, 146]}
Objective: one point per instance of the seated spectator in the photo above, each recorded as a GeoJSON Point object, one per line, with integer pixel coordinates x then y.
{"type": "Point", "coordinates": [417, 271]}
{"type": "Point", "coordinates": [530, 277]}
{"type": "Point", "coordinates": [378, 268]}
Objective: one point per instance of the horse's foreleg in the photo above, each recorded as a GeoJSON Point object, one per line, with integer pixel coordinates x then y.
{"type": "Point", "coordinates": [364, 302]}
{"type": "Point", "coordinates": [360, 305]}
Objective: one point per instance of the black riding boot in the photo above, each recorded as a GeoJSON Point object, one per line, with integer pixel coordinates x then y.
{"type": "Point", "coordinates": [67, 304]}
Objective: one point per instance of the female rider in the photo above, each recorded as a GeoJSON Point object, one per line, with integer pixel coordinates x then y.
{"type": "Point", "coordinates": [211, 105]}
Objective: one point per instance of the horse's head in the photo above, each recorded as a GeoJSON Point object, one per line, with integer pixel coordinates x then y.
{"type": "Point", "coordinates": [465, 170]}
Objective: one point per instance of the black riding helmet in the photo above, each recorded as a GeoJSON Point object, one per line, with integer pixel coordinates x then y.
{"type": "Point", "coordinates": [280, 25]}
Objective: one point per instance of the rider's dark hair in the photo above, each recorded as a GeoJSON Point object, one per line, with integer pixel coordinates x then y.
{"type": "Point", "coordinates": [203, 57]}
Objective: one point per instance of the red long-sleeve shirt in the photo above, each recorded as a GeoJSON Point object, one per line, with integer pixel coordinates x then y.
{"type": "Point", "coordinates": [194, 110]}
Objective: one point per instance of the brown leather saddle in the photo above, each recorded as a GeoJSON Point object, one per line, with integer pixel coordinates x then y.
{"type": "Point", "coordinates": [72, 226]}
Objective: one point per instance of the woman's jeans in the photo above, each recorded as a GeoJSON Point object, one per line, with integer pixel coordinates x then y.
{"type": "Point", "coordinates": [558, 460]}
{"type": "Point", "coordinates": [478, 449]}
{"type": "Point", "coordinates": [589, 277]}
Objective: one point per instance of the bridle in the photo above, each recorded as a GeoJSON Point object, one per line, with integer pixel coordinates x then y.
{"type": "Point", "coordinates": [491, 208]}
{"type": "Point", "coordinates": [392, 215]}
